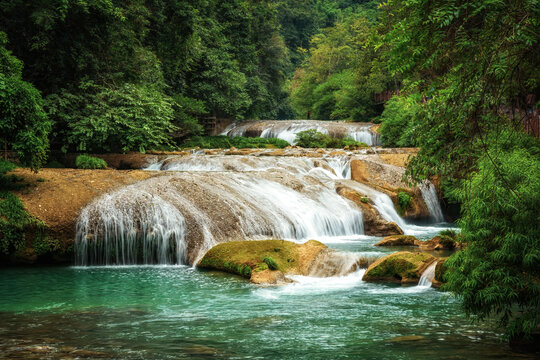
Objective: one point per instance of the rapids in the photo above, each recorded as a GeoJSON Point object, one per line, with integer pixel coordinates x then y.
{"type": "Point", "coordinates": [287, 129]}
{"type": "Point", "coordinates": [201, 200]}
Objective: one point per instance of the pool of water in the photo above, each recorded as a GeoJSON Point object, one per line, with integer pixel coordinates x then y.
{"type": "Point", "coordinates": [173, 312]}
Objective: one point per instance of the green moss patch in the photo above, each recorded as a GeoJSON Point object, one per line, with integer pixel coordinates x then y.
{"type": "Point", "coordinates": [398, 267]}
{"type": "Point", "coordinates": [245, 257]}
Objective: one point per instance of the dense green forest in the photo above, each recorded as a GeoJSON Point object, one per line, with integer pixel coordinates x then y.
{"type": "Point", "coordinates": [114, 75]}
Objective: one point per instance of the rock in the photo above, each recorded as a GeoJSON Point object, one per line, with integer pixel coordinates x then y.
{"type": "Point", "coordinates": [269, 277]}
{"type": "Point", "coordinates": [441, 242]}
{"type": "Point", "coordinates": [406, 338]}
{"type": "Point", "coordinates": [247, 259]}
{"type": "Point", "coordinates": [398, 240]}
{"type": "Point", "coordinates": [401, 267]}
{"type": "Point", "coordinates": [440, 269]}
{"type": "Point", "coordinates": [374, 224]}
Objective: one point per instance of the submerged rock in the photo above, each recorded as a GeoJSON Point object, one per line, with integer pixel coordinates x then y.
{"type": "Point", "coordinates": [401, 267]}
{"type": "Point", "coordinates": [254, 259]}
{"type": "Point", "coordinates": [398, 240]}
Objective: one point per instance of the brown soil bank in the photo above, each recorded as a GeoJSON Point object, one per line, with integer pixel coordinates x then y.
{"type": "Point", "coordinates": [56, 196]}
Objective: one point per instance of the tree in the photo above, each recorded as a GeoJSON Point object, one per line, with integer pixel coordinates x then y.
{"type": "Point", "coordinates": [24, 126]}
{"type": "Point", "coordinates": [476, 64]}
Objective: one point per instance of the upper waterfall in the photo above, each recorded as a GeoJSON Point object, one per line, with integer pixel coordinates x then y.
{"type": "Point", "coordinates": [287, 129]}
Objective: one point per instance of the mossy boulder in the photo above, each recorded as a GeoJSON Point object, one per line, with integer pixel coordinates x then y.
{"type": "Point", "coordinates": [401, 267]}
{"type": "Point", "coordinates": [440, 269]}
{"type": "Point", "coordinates": [262, 261]}
{"type": "Point", "coordinates": [439, 242]}
{"type": "Point", "coordinates": [398, 240]}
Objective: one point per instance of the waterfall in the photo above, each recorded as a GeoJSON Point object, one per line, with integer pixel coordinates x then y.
{"type": "Point", "coordinates": [177, 217]}
{"type": "Point", "coordinates": [429, 194]}
{"type": "Point", "coordinates": [338, 263]}
{"type": "Point", "coordinates": [287, 130]}
{"type": "Point", "coordinates": [428, 275]}
{"type": "Point", "coordinates": [130, 226]}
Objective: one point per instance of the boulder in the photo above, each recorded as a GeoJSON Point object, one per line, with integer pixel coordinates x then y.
{"type": "Point", "coordinates": [440, 269]}
{"type": "Point", "coordinates": [439, 242]}
{"type": "Point", "coordinates": [262, 261]}
{"type": "Point", "coordinates": [398, 240]}
{"type": "Point", "coordinates": [401, 267]}
{"type": "Point", "coordinates": [374, 224]}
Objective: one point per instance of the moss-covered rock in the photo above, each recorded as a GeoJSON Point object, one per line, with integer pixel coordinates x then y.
{"type": "Point", "coordinates": [440, 269]}
{"type": "Point", "coordinates": [401, 267]}
{"type": "Point", "coordinates": [439, 242]}
{"type": "Point", "coordinates": [251, 259]}
{"type": "Point", "coordinates": [398, 240]}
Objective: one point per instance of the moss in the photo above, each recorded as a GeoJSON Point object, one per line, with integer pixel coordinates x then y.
{"type": "Point", "coordinates": [440, 269]}
{"type": "Point", "coordinates": [404, 202]}
{"type": "Point", "coordinates": [364, 199]}
{"type": "Point", "coordinates": [245, 257]}
{"type": "Point", "coordinates": [398, 266]}
{"type": "Point", "coordinates": [271, 263]}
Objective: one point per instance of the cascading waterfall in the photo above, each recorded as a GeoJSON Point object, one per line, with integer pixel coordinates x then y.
{"type": "Point", "coordinates": [130, 226]}
{"type": "Point", "coordinates": [429, 194]}
{"type": "Point", "coordinates": [287, 130]}
{"type": "Point", "coordinates": [338, 263]}
{"type": "Point", "coordinates": [428, 275]}
{"type": "Point", "coordinates": [235, 206]}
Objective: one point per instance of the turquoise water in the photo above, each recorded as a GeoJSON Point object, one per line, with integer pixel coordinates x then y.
{"type": "Point", "coordinates": [181, 312]}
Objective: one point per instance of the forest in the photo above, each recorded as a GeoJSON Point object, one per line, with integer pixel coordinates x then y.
{"type": "Point", "coordinates": [459, 80]}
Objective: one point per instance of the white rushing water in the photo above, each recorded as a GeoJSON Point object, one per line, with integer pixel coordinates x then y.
{"type": "Point", "coordinates": [203, 200]}
{"type": "Point", "coordinates": [428, 275]}
{"type": "Point", "coordinates": [429, 194]}
{"type": "Point", "coordinates": [216, 206]}
{"type": "Point", "coordinates": [130, 226]}
{"type": "Point", "coordinates": [287, 130]}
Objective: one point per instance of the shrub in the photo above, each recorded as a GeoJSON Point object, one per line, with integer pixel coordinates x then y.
{"type": "Point", "coordinates": [404, 202]}
{"type": "Point", "coordinates": [397, 119]}
{"type": "Point", "coordinates": [9, 182]}
{"type": "Point", "coordinates": [272, 265]}
{"type": "Point", "coordinates": [225, 142]}
{"type": "Point", "coordinates": [364, 199]}
{"type": "Point", "coordinates": [15, 223]}
{"type": "Point", "coordinates": [313, 139]}
{"type": "Point", "coordinates": [90, 162]}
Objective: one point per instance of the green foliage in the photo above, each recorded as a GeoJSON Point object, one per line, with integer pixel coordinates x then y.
{"type": "Point", "coordinates": [9, 182]}
{"type": "Point", "coordinates": [342, 73]}
{"type": "Point", "coordinates": [129, 118]}
{"type": "Point", "coordinates": [23, 124]}
{"type": "Point", "coordinates": [16, 224]}
{"type": "Point", "coordinates": [404, 202]}
{"type": "Point", "coordinates": [313, 139]}
{"type": "Point", "coordinates": [497, 273]}
{"type": "Point", "coordinates": [89, 162]}
{"type": "Point", "coordinates": [272, 265]}
{"type": "Point", "coordinates": [398, 121]}
{"type": "Point", "coordinates": [364, 200]}
{"type": "Point", "coordinates": [476, 66]}
{"type": "Point", "coordinates": [239, 142]}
